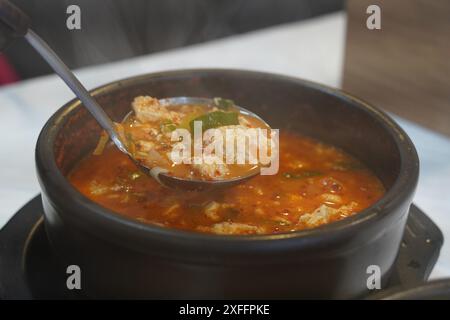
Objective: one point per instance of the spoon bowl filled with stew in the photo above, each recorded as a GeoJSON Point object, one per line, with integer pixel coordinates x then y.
{"type": "Point", "coordinates": [167, 139]}
{"type": "Point", "coordinates": [337, 203]}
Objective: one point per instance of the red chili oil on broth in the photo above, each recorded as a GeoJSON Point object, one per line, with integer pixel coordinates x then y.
{"type": "Point", "coordinates": [316, 184]}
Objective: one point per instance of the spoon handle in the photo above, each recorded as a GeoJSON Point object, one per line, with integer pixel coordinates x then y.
{"type": "Point", "coordinates": [75, 85]}
{"type": "Point", "coordinates": [13, 23]}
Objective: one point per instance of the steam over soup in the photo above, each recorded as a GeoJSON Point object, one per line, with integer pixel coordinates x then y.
{"type": "Point", "coordinates": [316, 184]}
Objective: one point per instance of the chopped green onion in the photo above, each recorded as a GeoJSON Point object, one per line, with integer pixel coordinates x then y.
{"type": "Point", "coordinates": [301, 174]}
{"type": "Point", "coordinates": [167, 126]}
{"type": "Point", "coordinates": [216, 119]}
{"type": "Point", "coordinates": [101, 144]}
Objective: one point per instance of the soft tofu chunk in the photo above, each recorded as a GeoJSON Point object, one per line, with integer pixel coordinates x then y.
{"type": "Point", "coordinates": [348, 209]}
{"type": "Point", "coordinates": [235, 135]}
{"type": "Point", "coordinates": [331, 198]}
{"type": "Point", "coordinates": [145, 146]}
{"type": "Point", "coordinates": [323, 214]}
{"type": "Point", "coordinates": [212, 210]}
{"type": "Point", "coordinates": [96, 189]}
{"type": "Point", "coordinates": [148, 109]}
{"type": "Point", "coordinates": [172, 211]}
{"type": "Point", "coordinates": [320, 216]}
{"type": "Point", "coordinates": [235, 228]}
{"type": "Point", "coordinates": [211, 167]}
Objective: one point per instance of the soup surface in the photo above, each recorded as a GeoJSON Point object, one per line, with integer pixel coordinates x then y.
{"type": "Point", "coordinates": [316, 184]}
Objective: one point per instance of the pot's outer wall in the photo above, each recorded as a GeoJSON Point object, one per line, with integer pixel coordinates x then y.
{"type": "Point", "coordinates": [120, 258]}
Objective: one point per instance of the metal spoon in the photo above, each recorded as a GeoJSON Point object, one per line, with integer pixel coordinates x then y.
{"type": "Point", "coordinates": [107, 124]}
{"type": "Point", "coordinates": [19, 23]}
{"type": "Point", "coordinates": [196, 184]}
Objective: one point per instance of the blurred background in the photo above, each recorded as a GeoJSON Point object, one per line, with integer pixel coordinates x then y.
{"type": "Point", "coordinates": [407, 59]}
{"type": "Point", "coordinates": [119, 29]}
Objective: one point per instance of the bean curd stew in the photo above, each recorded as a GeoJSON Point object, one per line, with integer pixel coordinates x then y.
{"type": "Point", "coordinates": [316, 183]}
{"type": "Point", "coordinates": [166, 136]}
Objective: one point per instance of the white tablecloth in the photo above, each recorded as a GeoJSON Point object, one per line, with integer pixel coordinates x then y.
{"type": "Point", "coordinates": [312, 50]}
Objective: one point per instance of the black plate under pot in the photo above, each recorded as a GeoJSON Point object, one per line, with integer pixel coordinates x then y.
{"type": "Point", "coordinates": [433, 290]}
{"type": "Point", "coordinates": [30, 270]}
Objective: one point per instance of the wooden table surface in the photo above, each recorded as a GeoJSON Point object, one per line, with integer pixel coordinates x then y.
{"type": "Point", "coordinates": [404, 67]}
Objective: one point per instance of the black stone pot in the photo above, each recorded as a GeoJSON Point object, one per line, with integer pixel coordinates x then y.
{"type": "Point", "coordinates": [123, 258]}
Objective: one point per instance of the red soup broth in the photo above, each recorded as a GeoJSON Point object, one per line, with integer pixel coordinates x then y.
{"type": "Point", "coordinates": [316, 184]}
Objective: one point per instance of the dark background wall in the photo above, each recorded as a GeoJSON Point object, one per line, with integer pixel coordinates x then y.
{"type": "Point", "coordinates": [118, 29]}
